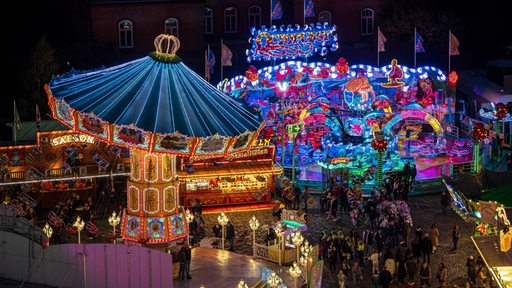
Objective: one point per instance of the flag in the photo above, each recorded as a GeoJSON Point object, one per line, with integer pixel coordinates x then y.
{"type": "Point", "coordinates": [454, 45]}
{"type": "Point", "coordinates": [308, 8]}
{"type": "Point", "coordinates": [211, 60]}
{"type": "Point", "coordinates": [38, 119]}
{"type": "Point", "coordinates": [381, 40]}
{"type": "Point", "coordinates": [277, 10]}
{"type": "Point", "coordinates": [17, 121]}
{"type": "Point", "coordinates": [206, 66]}
{"type": "Point", "coordinates": [226, 55]}
{"type": "Point", "coordinates": [419, 43]}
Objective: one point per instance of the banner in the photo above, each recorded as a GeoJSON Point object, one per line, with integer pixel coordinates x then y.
{"type": "Point", "coordinates": [454, 45]}
{"type": "Point", "coordinates": [277, 10]}
{"type": "Point", "coordinates": [487, 211]}
{"type": "Point", "coordinates": [17, 121]}
{"type": "Point", "coordinates": [381, 40]}
{"type": "Point", "coordinates": [211, 60]}
{"type": "Point", "coordinates": [226, 56]}
{"type": "Point", "coordinates": [419, 43]}
{"type": "Point", "coordinates": [308, 8]}
{"type": "Point", "coordinates": [38, 119]}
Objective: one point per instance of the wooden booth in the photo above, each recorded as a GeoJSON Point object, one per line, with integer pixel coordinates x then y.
{"type": "Point", "coordinates": [59, 163]}
{"type": "Point", "coordinates": [243, 178]}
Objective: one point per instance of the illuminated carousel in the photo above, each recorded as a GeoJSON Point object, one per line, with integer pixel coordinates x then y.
{"type": "Point", "coordinates": [164, 113]}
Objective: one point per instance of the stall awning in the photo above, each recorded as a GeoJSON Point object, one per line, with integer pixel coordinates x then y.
{"type": "Point", "coordinates": [274, 169]}
{"type": "Point", "coordinates": [499, 263]}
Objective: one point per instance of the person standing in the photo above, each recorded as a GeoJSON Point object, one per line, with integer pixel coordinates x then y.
{"type": "Point", "coordinates": [406, 172]}
{"type": "Point", "coordinates": [342, 278]}
{"type": "Point", "coordinates": [445, 202]}
{"type": "Point", "coordinates": [188, 258]}
{"type": "Point", "coordinates": [411, 267]}
{"type": "Point", "coordinates": [471, 267]}
{"type": "Point", "coordinates": [385, 278]}
{"type": "Point", "coordinates": [426, 247]}
{"type": "Point", "coordinates": [434, 236]}
{"type": "Point", "coordinates": [230, 236]}
{"type": "Point", "coordinates": [425, 274]}
{"type": "Point", "coordinates": [442, 275]}
{"type": "Point", "coordinates": [182, 259]}
{"type": "Point", "coordinates": [455, 236]}
{"type": "Point", "coordinates": [413, 173]}
{"type": "Point", "coordinates": [357, 274]}
{"type": "Point", "coordinates": [305, 198]}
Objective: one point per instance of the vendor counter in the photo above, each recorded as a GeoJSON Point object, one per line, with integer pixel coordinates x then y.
{"type": "Point", "coordinates": [288, 256]}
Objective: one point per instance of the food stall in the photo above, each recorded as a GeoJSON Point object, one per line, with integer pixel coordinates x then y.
{"type": "Point", "coordinates": [242, 178]}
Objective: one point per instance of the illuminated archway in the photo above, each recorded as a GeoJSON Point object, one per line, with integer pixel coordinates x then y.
{"type": "Point", "coordinates": [436, 125]}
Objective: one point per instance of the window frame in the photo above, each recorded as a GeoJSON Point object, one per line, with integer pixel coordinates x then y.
{"type": "Point", "coordinates": [125, 35]}
{"type": "Point", "coordinates": [208, 20]}
{"type": "Point", "coordinates": [230, 20]}
{"type": "Point", "coordinates": [322, 13]}
{"type": "Point", "coordinates": [367, 21]}
{"type": "Point", "coordinates": [254, 16]}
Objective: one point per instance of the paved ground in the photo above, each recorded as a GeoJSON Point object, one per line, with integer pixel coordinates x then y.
{"type": "Point", "coordinates": [425, 211]}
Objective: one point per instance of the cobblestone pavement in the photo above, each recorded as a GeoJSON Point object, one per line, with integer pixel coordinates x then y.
{"type": "Point", "coordinates": [425, 210]}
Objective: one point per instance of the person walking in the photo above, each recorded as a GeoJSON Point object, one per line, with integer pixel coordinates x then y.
{"type": "Point", "coordinates": [445, 202]}
{"type": "Point", "coordinates": [182, 259]}
{"type": "Point", "coordinates": [230, 236]}
{"type": "Point", "coordinates": [434, 236]}
{"type": "Point", "coordinates": [455, 236]}
{"type": "Point", "coordinates": [425, 274]}
{"type": "Point", "coordinates": [442, 275]}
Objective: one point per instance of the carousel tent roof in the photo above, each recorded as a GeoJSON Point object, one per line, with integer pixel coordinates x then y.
{"type": "Point", "coordinates": [156, 96]}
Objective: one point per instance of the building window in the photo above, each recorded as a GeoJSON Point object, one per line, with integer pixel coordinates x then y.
{"type": "Point", "coordinates": [367, 21]}
{"type": "Point", "coordinates": [230, 20]}
{"type": "Point", "coordinates": [171, 27]}
{"type": "Point", "coordinates": [208, 20]}
{"type": "Point", "coordinates": [126, 34]}
{"type": "Point", "coordinates": [324, 16]}
{"type": "Point", "coordinates": [254, 16]}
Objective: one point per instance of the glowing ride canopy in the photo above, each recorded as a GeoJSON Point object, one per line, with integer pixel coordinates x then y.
{"type": "Point", "coordinates": [155, 103]}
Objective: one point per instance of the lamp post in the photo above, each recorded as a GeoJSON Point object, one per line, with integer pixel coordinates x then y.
{"type": "Point", "coordinates": [279, 233]}
{"type": "Point", "coordinates": [113, 220]}
{"type": "Point", "coordinates": [283, 86]}
{"type": "Point", "coordinates": [295, 273]}
{"type": "Point", "coordinates": [48, 231]}
{"type": "Point", "coordinates": [273, 280]}
{"type": "Point", "coordinates": [297, 240]}
{"type": "Point", "coordinates": [79, 224]}
{"type": "Point", "coordinates": [305, 259]}
{"type": "Point", "coordinates": [223, 220]}
{"type": "Point", "coordinates": [190, 218]}
{"type": "Point", "coordinates": [242, 284]}
{"type": "Point", "coordinates": [254, 224]}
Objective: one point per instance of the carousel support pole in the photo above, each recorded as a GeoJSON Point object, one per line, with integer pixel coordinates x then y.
{"type": "Point", "coordinates": [379, 170]}
{"type": "Point", "coordinates": [476, 156]}
{"type": "Point", "coordinates": [283, 86]}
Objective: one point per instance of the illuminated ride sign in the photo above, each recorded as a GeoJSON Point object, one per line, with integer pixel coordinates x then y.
{"type": "Point", "coordinates": [420, 114]}
{"type": "Point", "coordinates": [289, 43]}
{"type": "Point", "coordinates": [70, 138]}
